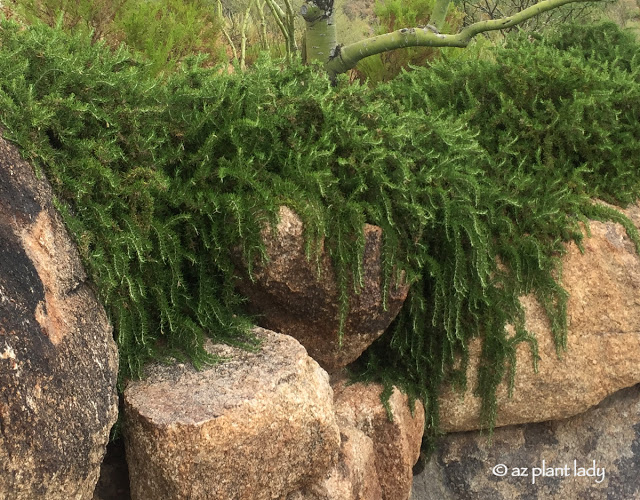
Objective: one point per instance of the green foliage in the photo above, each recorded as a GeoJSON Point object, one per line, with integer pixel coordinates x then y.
{"type": "Point", "coordinates": [477, 172]}
{"type": "Point", "coordinates": [543, 110]}
{"type": "Point", "coordinates": [164, 31]}
{"type": "Point", "coordinates": [561, 128]}
{"type": "Point", "coordinates": [88, 15]}
{"type": "Point", "coordinates": [403, 14]}
{"type": "Point", "coordinates": [602, 42]}
{"type": "Point", "coordinates": [109, 136]}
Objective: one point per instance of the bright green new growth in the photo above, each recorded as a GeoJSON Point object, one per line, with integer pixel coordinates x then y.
{"type": "Point", "coordinates": [461, 165]}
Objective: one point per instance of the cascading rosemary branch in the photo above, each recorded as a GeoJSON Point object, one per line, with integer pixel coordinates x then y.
{"type": "Point", "coordinates": [462, 164]}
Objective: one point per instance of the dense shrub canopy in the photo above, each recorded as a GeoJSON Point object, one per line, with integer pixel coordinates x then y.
{"type": "Point", "coordinates": [463, 165]}
{"type": "Point", "coordinates": [559, 119]}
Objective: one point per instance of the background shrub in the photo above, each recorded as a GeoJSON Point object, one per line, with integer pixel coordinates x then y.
{"type": "Point", "coordinates": [164, 31]}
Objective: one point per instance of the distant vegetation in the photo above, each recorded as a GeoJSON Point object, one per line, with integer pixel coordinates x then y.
{"type": "Point", "coordinates": [165, 31]}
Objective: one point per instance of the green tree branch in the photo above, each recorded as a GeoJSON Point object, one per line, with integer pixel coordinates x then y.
{"type": "Point", "coordinates": [341, 59]}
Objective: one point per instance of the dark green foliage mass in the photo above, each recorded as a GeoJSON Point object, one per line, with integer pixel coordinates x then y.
{"type": "Point", "coordinates": [562, 128]}
{"type": "Point", "coordinates": [477, 173]}
{"type": "Point", "coordinates": [113, 142]}
{"type": "Point", "coordinates": [603, 43]}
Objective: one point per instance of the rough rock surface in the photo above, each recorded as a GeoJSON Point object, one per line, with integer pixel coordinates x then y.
{"type": "Point", "coordinates": [257, 426]}
{"type": "Point", "coordinates": [603, 352]}
{"type": "Point", "coordinates": [396, 442]}
{"type": "Point", "coordinates": [354, 477]}
{"type": "Point", "coordinates": [289, 298]}
{"type": "Point", "coordinates": [609, 434]}
{"type": "Point", "coordinates": [58, 359]}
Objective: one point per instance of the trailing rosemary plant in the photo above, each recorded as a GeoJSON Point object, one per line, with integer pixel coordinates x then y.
{"type": "Point", "coordinates": [463, 165]}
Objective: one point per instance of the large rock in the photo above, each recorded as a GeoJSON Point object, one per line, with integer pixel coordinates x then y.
{"type": "Point", "coordinates": [603, 352]}
{"type": "Point", "coordinates": [396, 441]}
{"type": "Point", "coordinates": [257, 426]}
{"type": "Point", "coordinates": [289, 297]}
{"type": "Point", "coordinates": [354, 477]}
{"type": "Point", "coordinates": [378, 449]}
{"type": "Point", "coordinates": [58, 359]}
{"type": "Point", "coordinates": [595, 455]}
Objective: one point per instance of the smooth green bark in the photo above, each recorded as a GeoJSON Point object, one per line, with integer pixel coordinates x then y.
{"type": "Point", "coordinates": [243, 41]}
{"type": "Point", "coordinates": [320, 35]}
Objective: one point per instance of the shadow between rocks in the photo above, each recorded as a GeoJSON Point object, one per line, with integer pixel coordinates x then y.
{"type": "Point", "coordinates": [114, 474]}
